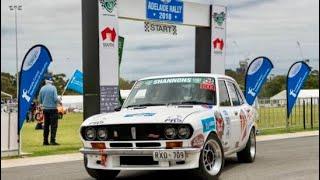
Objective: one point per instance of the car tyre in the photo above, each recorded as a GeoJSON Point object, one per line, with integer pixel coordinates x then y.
{"type": "Point", "coordinates": [248, 154]}
{"type": "Point", "coordinates": [211, 160]}
{"type": "Point", "coordinates": [100, 174]}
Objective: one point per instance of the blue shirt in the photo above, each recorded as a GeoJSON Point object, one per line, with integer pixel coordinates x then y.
{"type": "Point", "coordinates": [48, 96]}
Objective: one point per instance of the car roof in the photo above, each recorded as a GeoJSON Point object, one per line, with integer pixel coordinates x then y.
{"type": "Point", "coordinates": [217, 76]}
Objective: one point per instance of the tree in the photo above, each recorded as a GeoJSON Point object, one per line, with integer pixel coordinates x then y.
{"type": "Point", "coordinates": [239, 77]}
{"type": "Point", "coordinates": [124, 84]}
{"type": "Point", "coordinates": [8, 84]}
{"type": "Point", "coordinates": [313, 80]}
{"type": "Point", "coordinates": [273, 86]}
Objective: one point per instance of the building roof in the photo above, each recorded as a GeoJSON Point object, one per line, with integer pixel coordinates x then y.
{"type": "Point", "coordinates": [304, 93]}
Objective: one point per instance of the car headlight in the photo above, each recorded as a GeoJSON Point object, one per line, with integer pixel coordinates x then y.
{"type": "Point", "coordinates": [184, 132]}
{"type": "Point", "coordinates": [90, 134]}
{"type": "Point", "coordinates": [170, 132]}
{"type": "Point", "coordinates": [102, 134]}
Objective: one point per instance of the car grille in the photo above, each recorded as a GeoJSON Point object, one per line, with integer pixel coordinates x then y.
{"type": "Point", "coordinates": [136, 132]}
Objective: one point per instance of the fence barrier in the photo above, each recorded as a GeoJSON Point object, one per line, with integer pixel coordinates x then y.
{"type": "Point", "coordinates": [9, 130]}
{"type": "Point", "coordinates": [273, 114]}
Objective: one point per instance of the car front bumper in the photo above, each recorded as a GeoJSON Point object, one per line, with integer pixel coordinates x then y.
{"type": "Point", "coordinates": [112, 159]}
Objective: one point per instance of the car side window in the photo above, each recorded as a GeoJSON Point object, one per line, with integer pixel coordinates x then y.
{"type": "Point", "coordinates": [233, 94]}
{"type": "Point", "coordinates": [239, 95]}
{"type": "Point", "coordinates": [224, 99]}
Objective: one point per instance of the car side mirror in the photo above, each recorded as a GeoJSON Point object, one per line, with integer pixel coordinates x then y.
{"type": "Point", "coordinates": [117, 109]}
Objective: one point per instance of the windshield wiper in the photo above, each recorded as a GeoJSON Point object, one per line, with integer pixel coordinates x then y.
{"type": "Point", "coordinates": [145, 105]}
{"type": "Point", "coordinates": [191, 103]}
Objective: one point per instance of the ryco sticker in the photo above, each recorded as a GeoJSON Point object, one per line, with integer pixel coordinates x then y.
{"type": "Point", "coordinates": [208, 124]}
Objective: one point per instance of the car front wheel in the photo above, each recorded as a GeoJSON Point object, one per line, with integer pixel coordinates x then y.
{"type": "Point", "coordinates": [248, 154]}
{"type": "Point", "coordinates": [211, 159]}
{"type": "Point", "coordinates": [100, 174]}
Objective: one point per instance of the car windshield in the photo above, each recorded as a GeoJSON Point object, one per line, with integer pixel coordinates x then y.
{"type": "Point", "coordinates": [172, 91]}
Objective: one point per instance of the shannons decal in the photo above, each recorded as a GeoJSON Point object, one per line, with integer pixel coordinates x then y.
{"type": "Point", "coordinates": [208, 124]}
{"type": "Point", "coordinates": [193, 80]}
{"type": "Point", "coordinates": [140, 114]}
{"type": "Point", "coordinates": [172, 80]}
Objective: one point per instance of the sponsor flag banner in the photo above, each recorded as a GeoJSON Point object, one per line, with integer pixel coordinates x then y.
{"type": "Point", "coordinates": [108, 55]}
{"type": "Point", "coordinates": [256, 76]}
{"type": "Point", "coordinates": [297, 75]}
{"type": "Point", "coordinates": [34, 66]}
{"type": "Point", "coordinates": [121, 45]}
{"type": "Point", "coordinates": [218, 43]}
{"type": "Point", "coordinates": [76, 82]}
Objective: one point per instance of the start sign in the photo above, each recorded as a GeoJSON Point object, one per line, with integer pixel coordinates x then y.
{"type": "Point", "coordinates": [165, 10]}
{"type": "Point", "coordinates": [160, 28]}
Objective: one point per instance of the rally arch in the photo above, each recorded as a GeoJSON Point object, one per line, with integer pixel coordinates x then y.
{"type": "Point", "coordinates": [100, 41]}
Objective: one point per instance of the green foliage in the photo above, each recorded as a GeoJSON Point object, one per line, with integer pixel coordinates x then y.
{"type": "Point", "coordinates": [312, 81]}
{"type": "Point", "coordinates": [239, 77]}
{"type": "Point", "coordinates": [8, 84]}
{"type": "Point", "coordinates": [125, 84]}
{"type": "Point", "coordinates": [273, 86]}
{"type": "Point", "coordinates": [60, 82]}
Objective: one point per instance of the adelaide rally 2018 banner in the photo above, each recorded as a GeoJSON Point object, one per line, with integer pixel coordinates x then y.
{"type": "Point", "coordinates": [34, 66]}
{"type": "Point", "coordinates": [256, 76]}
{"type": "Point", "coordinates": [297, 75]}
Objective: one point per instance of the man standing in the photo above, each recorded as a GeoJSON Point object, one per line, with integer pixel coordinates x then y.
{"type": "Point", "coordinates": [48, 98]}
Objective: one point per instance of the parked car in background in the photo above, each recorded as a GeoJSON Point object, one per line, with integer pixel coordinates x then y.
{"type": "Point", "coordinates": [176, 122]}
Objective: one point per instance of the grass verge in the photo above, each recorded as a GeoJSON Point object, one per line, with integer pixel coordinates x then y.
{"type": "Point", "coordinates": [67, 136]}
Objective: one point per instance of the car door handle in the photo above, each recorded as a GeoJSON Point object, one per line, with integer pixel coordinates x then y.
{"type": "Point", "coordinates": [236, 113]}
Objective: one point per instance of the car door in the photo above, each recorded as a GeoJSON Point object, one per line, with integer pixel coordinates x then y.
{"type": "Point", "coordinates": [239, 123]}
{"type": "Point", "coordinates": [225, 109]}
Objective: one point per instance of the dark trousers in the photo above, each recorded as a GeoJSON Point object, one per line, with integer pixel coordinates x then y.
{"type": "Point", "coordinates": [50, 121]}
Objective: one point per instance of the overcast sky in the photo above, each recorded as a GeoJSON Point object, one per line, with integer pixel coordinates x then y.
{"type": "Point", "coordinates": [259, 27]}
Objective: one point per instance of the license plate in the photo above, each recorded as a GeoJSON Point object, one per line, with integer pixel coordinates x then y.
{"type": "Point", "coordinates": [169, 155]}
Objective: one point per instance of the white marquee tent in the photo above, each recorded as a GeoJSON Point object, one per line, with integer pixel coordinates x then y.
{"type": "Point", "coordinates": [305, 94]}
{"type": "Point", "coordinates": [76, 101]}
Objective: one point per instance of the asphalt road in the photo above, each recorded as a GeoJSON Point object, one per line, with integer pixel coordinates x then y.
{"type": "Point", "coordinates": [281, 159]}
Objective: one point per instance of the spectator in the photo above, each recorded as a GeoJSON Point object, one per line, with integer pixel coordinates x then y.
{"type": "Point", "coordinates": [48, 98]}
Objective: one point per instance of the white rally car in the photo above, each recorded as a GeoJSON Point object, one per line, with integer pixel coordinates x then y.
{"type": "Point", "coordinates": [177, 122]}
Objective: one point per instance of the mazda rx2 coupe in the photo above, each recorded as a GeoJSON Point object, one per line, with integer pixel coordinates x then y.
{"type": "Point", "coordinates": [176, 122]}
